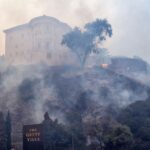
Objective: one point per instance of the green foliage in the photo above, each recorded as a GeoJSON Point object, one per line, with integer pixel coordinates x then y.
{"type": "Point", "coordinates": [109, 134]}
{"type": "Point", "coordinates": [120, 138]}
{"type": "Point", "coordinates": [3, 138]}
{"type": "Point", "coordinates": [54, 134]}
{"type": "Point", "coordinates": [75, 118]}
{"type": "Point", "coordinates": [8, 130]}
{"type": "Point", "coordinates": [82, 43]}
{"type": "Point", "coordinates": [137, 117]}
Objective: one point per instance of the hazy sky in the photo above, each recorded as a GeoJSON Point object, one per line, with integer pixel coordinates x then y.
{"type": "Point", "coordinates": [130, 19]}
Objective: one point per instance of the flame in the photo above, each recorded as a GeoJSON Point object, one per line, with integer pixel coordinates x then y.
{"type": "Point", "coordinates": [104, 65]}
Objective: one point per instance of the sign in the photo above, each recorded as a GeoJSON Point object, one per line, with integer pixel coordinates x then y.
{"type": "Point", "coordinates": [32, 137]}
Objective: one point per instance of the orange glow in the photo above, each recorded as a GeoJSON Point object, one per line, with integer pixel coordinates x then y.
{"type": "Point", "coordinates": [104, 65]}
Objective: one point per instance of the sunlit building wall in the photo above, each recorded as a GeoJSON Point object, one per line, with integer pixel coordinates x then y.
{"type": "Point", "coordinates": [38, 41]}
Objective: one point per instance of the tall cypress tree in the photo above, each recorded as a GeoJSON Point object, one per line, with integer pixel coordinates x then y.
{"type": "Point", "coordinates": [8, 130]}
{"type": "Point", "coordinates": [3, 138]}
{"type": "Point", "coordinates": [47, 131]}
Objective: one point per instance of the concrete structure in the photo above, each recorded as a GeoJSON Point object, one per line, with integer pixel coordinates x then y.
{"type": "Point", "coordinates": [38, 41]}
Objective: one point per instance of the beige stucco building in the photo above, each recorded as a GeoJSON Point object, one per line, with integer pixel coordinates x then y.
{"type": "Point", "coordinates": [38, 41]}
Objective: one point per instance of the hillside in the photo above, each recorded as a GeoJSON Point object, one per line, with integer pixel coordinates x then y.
{"type": "Point", "coordinates": [57, 89]}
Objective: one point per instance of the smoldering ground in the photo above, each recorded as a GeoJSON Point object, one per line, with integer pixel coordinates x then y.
{"type": "Point", "coordinates": [57, 89]}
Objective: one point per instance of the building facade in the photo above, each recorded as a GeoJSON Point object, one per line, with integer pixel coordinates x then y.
{"type": "Point", "coordinates": [38, 41]}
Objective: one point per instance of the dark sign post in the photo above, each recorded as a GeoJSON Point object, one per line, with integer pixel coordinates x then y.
{"type": "Point", "coordinates": [32, 137]}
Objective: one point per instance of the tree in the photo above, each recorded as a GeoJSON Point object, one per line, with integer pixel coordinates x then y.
{"type": "Point", "coordinates": [105, 133]}
{"type": "Point", "coordinates": [75, 118]}
{"type": "Point", "coordinates": [8, 130]}
{"type": "Point", "coordinates": [82, 43]}
{"type": "Point", "coordinates": [54, 134]}
{"type": "Point", "coordinates": [120, 138]}
{"type": "Point", "coordinates": [3, 140]}
{"type": "Point", "coordinates": [137, 117]}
